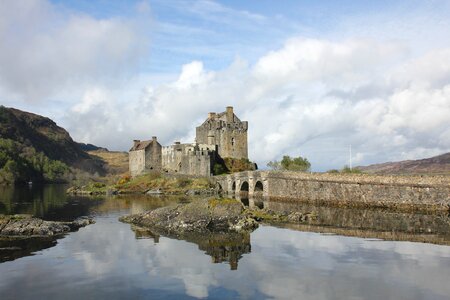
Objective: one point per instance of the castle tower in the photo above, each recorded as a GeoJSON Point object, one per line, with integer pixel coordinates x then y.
{"type": "Point", "coordinates": [227, 132]}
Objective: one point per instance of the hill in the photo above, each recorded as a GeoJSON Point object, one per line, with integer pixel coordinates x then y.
{"type": "Point", "coordinates": [437, 165]}
{"type": "Point", "coordinates": [90, 147]}
{"type": "Point", "coordinates": [116, 162]}
{"type": "Point", "coordinates": [33, 147]}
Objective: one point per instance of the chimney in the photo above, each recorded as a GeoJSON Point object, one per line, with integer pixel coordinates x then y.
{"type": "Point", "coordinates": [211, 115]}
{"type": "Point", "coordinates": [154, 138]}
{"type": "Point", "coordinates": [230, 114]}
{"type": "Point", "coordinates": [136, 142]}
{"type": "Point", "coordinates": [177, 143]}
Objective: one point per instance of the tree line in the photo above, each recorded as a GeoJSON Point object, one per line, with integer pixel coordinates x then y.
{"type": "Point", "coordinates": [21, 163]}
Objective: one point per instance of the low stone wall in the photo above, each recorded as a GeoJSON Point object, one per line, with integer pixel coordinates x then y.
{"type": "Point", "coordinates": [365, 191]}
{"type": "Point", "coordinates": [362, 190]}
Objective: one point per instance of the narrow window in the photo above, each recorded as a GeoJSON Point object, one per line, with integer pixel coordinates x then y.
{"type": "Point", "coordinates": [232, 141]}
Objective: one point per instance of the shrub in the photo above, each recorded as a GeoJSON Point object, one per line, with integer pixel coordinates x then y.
{"type": "Point", "coordinates": [347, 170]}
{"type": "Point", "coordinates": [183, 182]}
{"type": "Point", "coordinates": [219, 169]}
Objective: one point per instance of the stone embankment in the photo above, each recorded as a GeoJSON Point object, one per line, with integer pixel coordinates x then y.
{"type": "Point", "coordinates": [26, 225]}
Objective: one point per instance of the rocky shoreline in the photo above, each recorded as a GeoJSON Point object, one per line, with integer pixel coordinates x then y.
{"type": "Point", "coordinates": [28, 226]}
{"type": "Point", "coordinates": [210, 216]}
{"type": "Point", "coordinates": [83, 191]}
{"type": "Point", "coordinates": [200, 216]}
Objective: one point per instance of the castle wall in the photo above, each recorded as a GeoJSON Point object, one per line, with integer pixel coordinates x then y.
{"type": "Point", "coordinates": [227, 132]}
{"type": "Point", "coordinates": [136, 162]}
{"type": "Point", "coordinates": [233, 142]}
{"type": "Point", "coordinates": [153, 159]}
{"type": "Point", "coordinates": [188, 159]}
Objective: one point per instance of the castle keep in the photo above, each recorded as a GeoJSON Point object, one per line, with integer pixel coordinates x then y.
{"type": "Point", "coordinates": [222, 135]}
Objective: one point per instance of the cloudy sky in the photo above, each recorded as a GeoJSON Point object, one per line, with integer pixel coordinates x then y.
{"type": "Point", "coordinates": [311, 77]}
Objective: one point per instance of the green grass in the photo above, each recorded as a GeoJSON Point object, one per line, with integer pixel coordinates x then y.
{"type": "Point", "coordinates": [163, 182]}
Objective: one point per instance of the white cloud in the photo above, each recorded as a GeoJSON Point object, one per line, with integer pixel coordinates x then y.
{"type": "Point", "coordinates": [44, 50]}
{"type": "Point", "coordinates": [304, 95]}
{"type": "Point", "coordinates": [311, 96]}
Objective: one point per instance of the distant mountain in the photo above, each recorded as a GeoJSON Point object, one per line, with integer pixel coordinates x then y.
{"type": "Point", "coordinates": [434, 165]}
{"type": "Point", "coordinates": [90, 147]}
{"type": "Point", "coordinates": [33, 147]}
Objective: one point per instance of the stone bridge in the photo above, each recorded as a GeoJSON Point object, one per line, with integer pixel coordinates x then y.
{"type": "Point", "coordinates": [408, 192]}
{"type": "Point", "coordinates": [249, 183]}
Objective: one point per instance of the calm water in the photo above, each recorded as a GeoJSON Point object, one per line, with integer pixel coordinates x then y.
{"type": "Point", "coordinates": [328, 259]}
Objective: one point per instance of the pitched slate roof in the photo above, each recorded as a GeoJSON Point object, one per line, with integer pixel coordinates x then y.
{"type": "Point", "coordinates": [141, 145]}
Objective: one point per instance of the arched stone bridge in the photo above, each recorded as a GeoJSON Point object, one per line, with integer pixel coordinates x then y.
{"type": "Point", "coordinates": [253, 183]}
{"type": "Point", "coordinates": [352, 189]}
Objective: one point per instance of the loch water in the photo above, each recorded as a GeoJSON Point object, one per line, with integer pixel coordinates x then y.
{"type": "Point", "coordinates": [343, 254]}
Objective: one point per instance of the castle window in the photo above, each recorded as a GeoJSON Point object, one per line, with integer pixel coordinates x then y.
{"type": "Point", "coordinates": [232, 141]}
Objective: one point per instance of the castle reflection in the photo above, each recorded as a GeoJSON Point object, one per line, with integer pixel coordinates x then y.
{"type": "Point", "coordinates": [222, 247]}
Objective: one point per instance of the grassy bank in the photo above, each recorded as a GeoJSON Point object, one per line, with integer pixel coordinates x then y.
{"type": "Point", "coordinates": [163, 183]}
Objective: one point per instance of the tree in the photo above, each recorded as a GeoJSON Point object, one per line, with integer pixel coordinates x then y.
{"type": "Point", "coordinates": [290, 164]}
{"type": "Point", "coordinates": [274, 165]}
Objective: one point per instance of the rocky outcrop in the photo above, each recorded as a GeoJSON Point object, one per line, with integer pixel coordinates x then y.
{"type": "Point", "coordinates": [200, 216]}
{"type": "Point", "coordinates": [25, 225]}
{"type": "Point", "coordinates": [92, 190]}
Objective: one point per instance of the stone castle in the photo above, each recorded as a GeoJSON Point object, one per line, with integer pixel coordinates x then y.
{"type": "Point", "coordinates": [222, 135]}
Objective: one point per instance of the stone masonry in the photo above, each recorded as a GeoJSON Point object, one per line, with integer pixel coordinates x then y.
{"type": "Point", "coordinates": [227, 132]}
{"type": "Point", "coordinates": [401, 192]}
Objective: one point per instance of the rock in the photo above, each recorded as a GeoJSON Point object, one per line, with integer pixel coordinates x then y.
{"type": "Point", "coordinates": [247, 224]}
{"type": "Point", "coordinates": [112, 192]}
{"type": "Point", "coordinates": [295, 217]}
{"type": "Point", "coordinates": [205, 192]}
{"type": "Point", "coordinates": [26, 225]}
{"type": "Point", "coordinates": [154, 192]}
{"type": "Point", "coordinates": [213, 215]}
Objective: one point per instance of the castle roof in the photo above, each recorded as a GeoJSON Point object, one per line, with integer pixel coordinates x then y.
{"type": "Point", "coordinates": [220, 117]}
{"type": "Point", "coordinates": [142, 145]}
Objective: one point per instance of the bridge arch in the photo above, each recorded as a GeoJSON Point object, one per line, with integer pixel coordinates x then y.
{"type": "Point", "coordinates": [244, 187]}
{"type": "Point", "coordinates": [259, 187]}
{"type": "Point", "coordinates": [219, 187]}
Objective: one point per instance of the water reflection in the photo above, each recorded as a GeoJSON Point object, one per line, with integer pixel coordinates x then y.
{"type": "Point", "coordinates": [222, 247]}
{"type": "Point", "coordinates": [367, 223]}
{"type": "Point", "coordinates": [50, 202]}
{"type": "Point", "coordinates": [105, 260]}
{"type": "Point", "coordinates": [109, 260]}
{"type": "Point", "coordinates": [13, 248]}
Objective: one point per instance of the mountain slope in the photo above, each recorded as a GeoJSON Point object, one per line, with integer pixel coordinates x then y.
{"type": "Point", "coordinates": [434, 165]}
{"type": "Point", "coordinates": [31, 144]}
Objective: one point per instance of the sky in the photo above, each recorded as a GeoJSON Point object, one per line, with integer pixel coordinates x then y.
{"type": "Point", "coordinates": [312, 78]}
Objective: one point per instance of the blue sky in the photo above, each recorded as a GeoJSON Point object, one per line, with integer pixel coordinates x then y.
{"type": "Point", "coordinates": [311, 77]}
